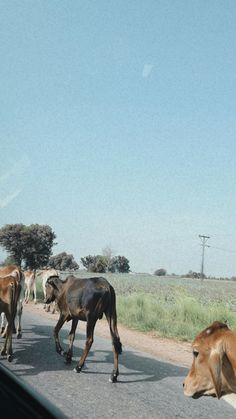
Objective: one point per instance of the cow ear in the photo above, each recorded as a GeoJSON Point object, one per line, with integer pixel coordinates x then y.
{"type": "Point", "coordinates": [215, 364]}
{"type": "Point", "coordinates": [51, 282]}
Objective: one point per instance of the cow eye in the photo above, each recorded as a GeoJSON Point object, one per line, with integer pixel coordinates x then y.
{"type": "Point", "coordinates": [195, 353]}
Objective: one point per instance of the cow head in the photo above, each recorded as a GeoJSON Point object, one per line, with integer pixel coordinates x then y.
{"type": "Point", "coordinates": [52, 288]}
{"type": "Point", "coordinates": [211, 372]}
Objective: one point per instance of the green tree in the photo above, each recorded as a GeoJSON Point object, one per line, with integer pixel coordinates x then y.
{"type": "Point", "coordinates": [39, 242]}
{"type": "Point", "coordinates": [160, 272]}
{"type": "Point", "coordinates": [31, 245]}
{"type": "Point", "coordinates": [12, 240]}
{"type": "Point", "coordinates": [63, 261]}
{"type": "Point", "coordinates": [98, 263]}
{"type": "Point", "coordinates": [88, 262]}
{"type": "Point", "coordinates": [119, 264]}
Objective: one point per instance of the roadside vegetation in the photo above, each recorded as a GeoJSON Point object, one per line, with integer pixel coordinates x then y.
{"type": "Point", "coordinates": [170, 306]}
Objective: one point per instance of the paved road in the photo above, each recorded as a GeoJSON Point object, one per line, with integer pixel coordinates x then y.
{"type": "Point", "coordinates": [147, 387]}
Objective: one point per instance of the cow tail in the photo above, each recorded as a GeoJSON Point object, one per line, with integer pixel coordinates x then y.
{"type": "Point", "coordinates": [112, 319]}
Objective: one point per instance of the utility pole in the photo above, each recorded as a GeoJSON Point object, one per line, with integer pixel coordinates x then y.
{"type": "Point", "coordinates": [203, 241]}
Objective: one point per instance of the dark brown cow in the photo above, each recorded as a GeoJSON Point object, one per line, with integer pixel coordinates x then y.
{"type": "Point", "coordinates": [16, 272]}
{"type": "Point", "coordinates": [10, 289]}
{"type": "Point", "coordinates": [213, 371]}
{"type": "Point", "coordinates": [86, 300]}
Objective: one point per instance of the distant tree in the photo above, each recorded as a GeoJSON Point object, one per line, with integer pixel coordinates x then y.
{"type": "Point", "coordinates": [88, 262]}
{"type": "Point", "coordinates": [119, 264]}
{"type": "Point", "coordinates": [30, 245]}
{"type": "Point", "coordinates": [101, 263]}
{"type": "Point", "coordinates": [39, 243]}
{"type": "Point", "coordinates": [192, 274]}
{"type": "Point", "coordinates": [12, 240]}
{"type": "Point", "coordinates": [160, 272]}
{"type": "Point", "coordinates": [62, 262]}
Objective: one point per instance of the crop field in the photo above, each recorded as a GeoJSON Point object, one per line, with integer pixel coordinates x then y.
{"type": "Point", "coordinates": [170, 306]}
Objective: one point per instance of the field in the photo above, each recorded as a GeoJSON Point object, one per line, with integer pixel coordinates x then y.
{"type": "Point", "coordinates": [170, 306]}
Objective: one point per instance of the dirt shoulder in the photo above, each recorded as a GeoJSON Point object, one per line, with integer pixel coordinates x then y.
{"type": "Point", "coordinates": [168, 350]}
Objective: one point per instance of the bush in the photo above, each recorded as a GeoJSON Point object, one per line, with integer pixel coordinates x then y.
{"type": "Point", "coordinates": [119, 264]}
{"type": "Point", "coordinates": [101, 263]}
{"type": "Point", "coordinates": [96, 263]}
{"type": "Point", "coordinates": [62, 262]}
{"type": "Point", "coordinates": [160, 272]}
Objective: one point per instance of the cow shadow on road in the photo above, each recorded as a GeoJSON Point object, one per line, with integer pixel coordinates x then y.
{"type": "Point", "coordinates": [35, 353]}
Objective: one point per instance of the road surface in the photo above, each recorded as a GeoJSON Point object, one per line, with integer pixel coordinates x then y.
{"type": "Point", "coordinates": [147, 388]}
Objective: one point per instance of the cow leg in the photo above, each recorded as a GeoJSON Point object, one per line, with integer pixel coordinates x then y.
{"type": "Point", "coordinates": [117, 347]}
{"type": "Point", "coordinates": [19, 315]}
{"type": "Point", "coordinates": [69, 354]}
{"type": "Point", "coordinates": [3, 322]}
{"type": "Point", "coordinates": [54, 307]}
{"type": "Point", "coordinates": [7, 347]}
{"type": "Point", "coordinates": [89, 341]}
{"type": "Point", "coordinates": [34, 291]}
{"type": "Point", "coordinates": [4, 348]}
{"type": "Point", "coordinates": [57, 328]}
{"type": "Point", "coordinates": [19, 312]}
{"type": "Point", "coordinates": [27, 294]}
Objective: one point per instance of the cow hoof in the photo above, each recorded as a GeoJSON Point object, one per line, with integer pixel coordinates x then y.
{"type": "Point", "coordinates": [77, 369]}
{"type": "Point", "coordinates": [9, 358]}
{"type": "Point", "coordinates": [68, 361]}
{"type": "Point", "coordinates": [113, 379]}
{"type": "Point", "coordinates": [19, 336]}
{"type": "Point", "coordinates": [3, 352]}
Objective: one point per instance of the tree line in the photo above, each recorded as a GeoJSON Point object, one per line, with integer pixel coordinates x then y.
{"type": "Point", "coordinates": [31, 247]}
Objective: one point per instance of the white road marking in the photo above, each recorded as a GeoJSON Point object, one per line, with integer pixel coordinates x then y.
{"type": "Point", "coordinates": [231, 399]}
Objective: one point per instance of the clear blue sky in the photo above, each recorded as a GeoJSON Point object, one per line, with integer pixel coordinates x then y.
{"type": "Point", "coordinates": [118, 127]}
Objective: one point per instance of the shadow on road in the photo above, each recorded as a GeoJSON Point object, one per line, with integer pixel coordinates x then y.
{"type": "Point", "coordinates": [35, 353]}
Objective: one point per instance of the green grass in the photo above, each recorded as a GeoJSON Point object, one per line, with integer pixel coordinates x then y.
{"type": "Point", "coordinates": [170, 306]}
{"type": "Point", "coordinates": [182, 318]}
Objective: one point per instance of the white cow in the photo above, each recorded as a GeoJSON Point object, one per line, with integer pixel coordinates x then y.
{"type": "Point", "coordinates": [16, 272]}
{"type": "Point", "coordinates": [30, 285]}
{"type": "Point", "coordinates": [45, 274]}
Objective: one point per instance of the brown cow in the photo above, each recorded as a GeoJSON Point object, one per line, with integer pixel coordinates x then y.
{"type": "Point", "coordinates": [10, 289]}
{"type": "Point", "coordinates": [84, 299]}
{"type": "Point", "coordinates": [213, 371]}
{"type": "Point", "coordinates": [16, 272]}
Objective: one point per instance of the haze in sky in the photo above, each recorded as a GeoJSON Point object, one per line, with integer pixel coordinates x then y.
{"type": "Point", "coordinates": [118, 128]}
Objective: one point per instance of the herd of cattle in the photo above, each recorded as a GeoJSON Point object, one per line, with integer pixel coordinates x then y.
{"type": "Point", "coordinates": [213, 371]}
{"type": "Point", "coordinates": [76, 299]}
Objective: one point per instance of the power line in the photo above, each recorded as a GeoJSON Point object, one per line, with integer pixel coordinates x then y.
{"type": "Point", "coordinates": [224, 250]}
